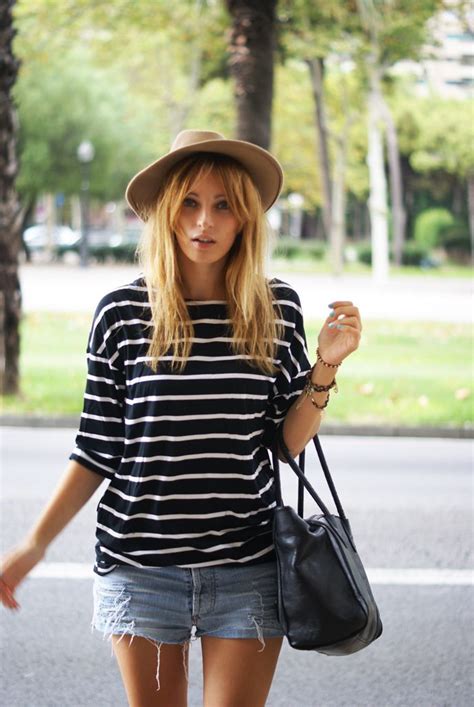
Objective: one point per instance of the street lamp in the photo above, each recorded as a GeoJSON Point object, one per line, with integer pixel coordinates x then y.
{"type": "Point", "coordinates": [85, 155]}
{"type": "Point", "coordinates": [296, 203]}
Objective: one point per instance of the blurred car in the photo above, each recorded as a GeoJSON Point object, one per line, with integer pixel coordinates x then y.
{"type": "Point", "coordinates": [105, 245]}
{"type": "Point", "coordinates": [62, 239]}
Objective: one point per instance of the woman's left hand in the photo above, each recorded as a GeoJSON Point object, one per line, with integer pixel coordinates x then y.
{"type": "Point", "coordinates": [336, 342]}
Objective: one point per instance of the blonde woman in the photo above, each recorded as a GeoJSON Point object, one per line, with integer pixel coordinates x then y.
{"type": "Point", "coordinates": [191, 369]}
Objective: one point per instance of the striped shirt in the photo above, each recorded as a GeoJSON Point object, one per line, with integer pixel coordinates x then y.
{"type": "Point", "coordinates": [186, 454]}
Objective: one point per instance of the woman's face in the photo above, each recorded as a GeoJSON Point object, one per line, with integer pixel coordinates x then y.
{"type": "Point", "coordinates": [207, 227]}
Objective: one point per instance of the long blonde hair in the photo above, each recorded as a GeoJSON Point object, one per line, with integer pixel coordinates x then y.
{"type": "Point", "coordinates": [255, 323]}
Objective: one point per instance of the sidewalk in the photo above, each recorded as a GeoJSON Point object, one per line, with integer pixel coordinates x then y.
{"type": "Point", "coordinates": [71, 288]}
{"type": "Point", "coordinates": [327, 428]}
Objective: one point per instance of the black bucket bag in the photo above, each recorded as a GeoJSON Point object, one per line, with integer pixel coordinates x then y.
{"type": "Point", "coordinates": [325, 602]}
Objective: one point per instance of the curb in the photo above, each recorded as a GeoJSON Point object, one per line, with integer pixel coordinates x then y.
{"type": "Point", "coordinates": [71, 421]}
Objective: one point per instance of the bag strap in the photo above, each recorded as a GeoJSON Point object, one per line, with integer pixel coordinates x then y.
{"type": "Point", "coordinates": [303, 481]}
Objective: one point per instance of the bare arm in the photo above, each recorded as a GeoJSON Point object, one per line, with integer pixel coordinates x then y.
{"type": "Point", "coordinates": [73, 491]}
{"type": "Point", "coordinates": [303, 419]}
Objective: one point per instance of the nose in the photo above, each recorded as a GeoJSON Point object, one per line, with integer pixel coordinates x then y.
{"type": "Point", "coordinates": [204, 217]}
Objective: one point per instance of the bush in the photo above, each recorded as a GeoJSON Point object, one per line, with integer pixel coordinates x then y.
{"type": "Point", "coordinates": [456, 241]}
{"type": "Point", "coordinates": [429, 224]}
{"type": "Point", "coordinates": [290, 248]}
{"type": "Point", "coordinates": [364, 253]}
{"type": "Point", "coordinates": [412, 254]}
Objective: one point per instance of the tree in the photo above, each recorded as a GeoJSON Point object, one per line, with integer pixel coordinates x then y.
{"type": "Point", "coordinates": [441, 147]}
{"type": "Point", "coordinates": [98, 109]}
{"type": "Point", "coordinates": [10, 292]}
{"type": "Point", "coordinates": [251, 50]}
{"type": "Point", "coordinates": [165, 51]}
{"type": "Point", "coordinates": [314, 32]}
{"type": "Point", "coordinates": [391, 30]}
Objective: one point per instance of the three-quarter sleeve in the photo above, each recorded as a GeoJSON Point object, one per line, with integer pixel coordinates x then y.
{"type": "Point", "coordinates": [291, 378]}
{"type": "Point", "coordinates": [100, 438]}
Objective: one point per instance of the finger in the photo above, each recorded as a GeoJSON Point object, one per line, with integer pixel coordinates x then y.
{"type": "Point", "coordinates": [347, 321]}
{"type": "Point", "coordinates": [346, 328]}
{"type": "Point", "coordinates": [8, 599]}
{"type": "Point", "coordinates": [5, 588]}
{"type": "Point", "coordinates": [353, 320]}
{"type": "Point", "coordinates": [346, 310]}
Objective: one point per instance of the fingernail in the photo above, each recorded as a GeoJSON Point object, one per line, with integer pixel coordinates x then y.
{"type": "Point", "coordinates": [340, 326]}
{"type": "Point", "coordinates": [332, 324]}
{"type": "Point", "coordinates": [332, 312]}
{"type": "Point", "coordinates": [331, 305]}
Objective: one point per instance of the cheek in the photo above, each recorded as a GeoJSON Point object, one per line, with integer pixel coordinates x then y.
{"type": "Point", "coordinates": [183, 223]}
{"type": "Point", "coordinates": [232, 229]}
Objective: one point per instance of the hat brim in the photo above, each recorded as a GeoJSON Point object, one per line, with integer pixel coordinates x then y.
{"type": "Point", "coordinates": [263, 168]}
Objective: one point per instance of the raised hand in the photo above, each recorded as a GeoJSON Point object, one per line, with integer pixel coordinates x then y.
{"type": "Point", "coordinates": [340, 333]}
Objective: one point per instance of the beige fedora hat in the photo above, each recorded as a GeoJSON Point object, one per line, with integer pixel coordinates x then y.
{"type": "Point", "coordinates": [263, 168]}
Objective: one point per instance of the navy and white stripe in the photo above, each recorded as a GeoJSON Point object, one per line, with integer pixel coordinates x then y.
{"type": "Point", "coordinates": [186, 454]}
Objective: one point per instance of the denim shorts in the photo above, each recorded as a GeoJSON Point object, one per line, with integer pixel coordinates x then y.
{"type": "Point", "coordinates": [177, 604]}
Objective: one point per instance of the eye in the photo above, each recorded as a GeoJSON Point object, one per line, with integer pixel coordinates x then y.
{"type": "Point", "coordinates": [223, 205]}
{"type": "Point", "coordinates": [189, 202]}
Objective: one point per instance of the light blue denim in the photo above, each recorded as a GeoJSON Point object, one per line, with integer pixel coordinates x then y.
{"type": "Point", "coordinates": [168, 604]}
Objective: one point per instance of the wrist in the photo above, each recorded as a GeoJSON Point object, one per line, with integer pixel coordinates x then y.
{"type": "Point", "coordinates": [321, 375]}
{"type": "Point", "coordinates": [35, 543]}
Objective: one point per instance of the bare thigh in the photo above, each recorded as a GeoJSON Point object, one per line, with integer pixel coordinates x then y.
{"type": "Point", "coordinates": [236, 672]}
{"type": "Point", "coordinates": [146, 666]}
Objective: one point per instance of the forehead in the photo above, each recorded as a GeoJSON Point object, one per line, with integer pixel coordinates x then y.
{"type": "Point", "coordinates": [209, 181]}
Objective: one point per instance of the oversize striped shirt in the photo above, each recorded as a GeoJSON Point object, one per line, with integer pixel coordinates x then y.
{"type": "Point", "coordinates": [186, 454]}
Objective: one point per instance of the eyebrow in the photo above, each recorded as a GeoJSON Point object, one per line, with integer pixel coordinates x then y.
{"type": "Point", "coordinates": [217, 196]}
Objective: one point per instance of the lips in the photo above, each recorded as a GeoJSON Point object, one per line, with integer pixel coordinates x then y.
{"type": "Point", "coordinates": [203, 239]}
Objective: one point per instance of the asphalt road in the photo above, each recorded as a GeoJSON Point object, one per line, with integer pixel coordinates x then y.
{"type": "Point", "coordinates": [410, 505]}
{"type": "Point", "coordinates": [70, 288]}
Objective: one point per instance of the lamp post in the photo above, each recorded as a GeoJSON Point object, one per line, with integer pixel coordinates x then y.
{"type": "Point", "coordinates": [85, 155]}
{"type": "Point", "coordinates": [296, 202]}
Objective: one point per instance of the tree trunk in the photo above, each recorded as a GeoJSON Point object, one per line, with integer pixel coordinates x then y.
{"type": "Point", "coordinates": [316, 70]}
{"type": "Point", "coordinates": [470, 208]}
{"type": "Point", "coordinates": [357, 221]}
{"type": "Point", "coordinates": [338, 216]}
{"type": "Point", "coordinates": [396, 184]}
{"type": "Point", "coordinates": [251, 52]}
{"type": "Point", "coordinates": [458, 198]}
{"type": "Point", "coordinates": [10, 212]}
{"type": "Point", "coordinates": [179, 110]}
{"type": "Point", "coordinates": [378, 183]}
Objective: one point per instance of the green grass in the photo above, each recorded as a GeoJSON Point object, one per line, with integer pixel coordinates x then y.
{"type": "Point", "coordinates": [52, 364]}
{"type": "Point", "coordinates": [405, 374]}
{"type": "Point", "coordinates": [402, 373]}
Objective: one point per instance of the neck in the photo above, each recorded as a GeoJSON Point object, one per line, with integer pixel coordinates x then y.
{"type": "Point", "coordinates": [203, 282]}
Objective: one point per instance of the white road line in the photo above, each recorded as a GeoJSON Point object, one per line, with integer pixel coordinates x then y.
{"type": "Point", "coordinates": [423, 576]}
{"type": "Point", "coordinates": [388, 576]}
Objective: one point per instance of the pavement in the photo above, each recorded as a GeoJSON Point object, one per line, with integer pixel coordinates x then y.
{"type": "Point", "coordinates": [409, 502]}
{"type": "Point", "coordinates": [61, 287]}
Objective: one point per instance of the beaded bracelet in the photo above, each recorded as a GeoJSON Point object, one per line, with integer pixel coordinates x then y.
{"type": "Point", "coordinates": [311, 388]}
{"type": "Point", "coordinates": [328, 365]}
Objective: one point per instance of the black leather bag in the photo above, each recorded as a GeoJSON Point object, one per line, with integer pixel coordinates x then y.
{"type": "Point", "coordinates": [325, 602]}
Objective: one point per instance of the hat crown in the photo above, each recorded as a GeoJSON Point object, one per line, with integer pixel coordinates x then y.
{"type": "Point", "coordinates": [192, 137]}
{"type": "Point", "coordinates": [263, 168]}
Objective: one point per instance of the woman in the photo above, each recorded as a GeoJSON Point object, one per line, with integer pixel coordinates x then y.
{"type": "Point", "coordinates": [191, 369]}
